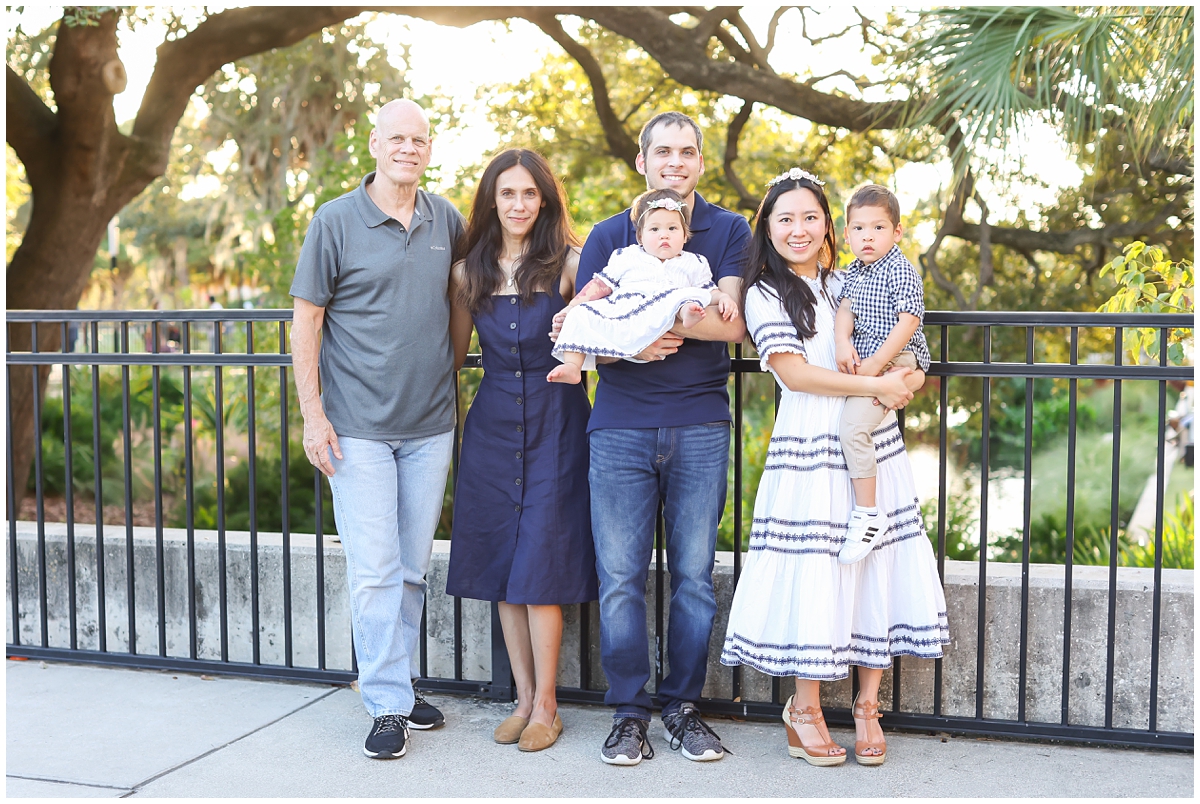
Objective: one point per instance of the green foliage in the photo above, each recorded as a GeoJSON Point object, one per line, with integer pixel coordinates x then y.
{"type": "Point", "coordinates": [1149, 281]}
{"type": "Point", "coordinates": [1085, 69]}
{"type": "Point", "coordinates": [263, 143]}
{"type": "Point", "coordinates": [758, 418]}
{"type": "Point", "coordinates": [16, 202]}
{"type": "Point", "coordinates": [85, 16]}
{"type": "Point", "coordinates": [29, 57]}
{"type": "Point", "coordinates": [141, 411]}
{"type": "Point", "coordinates": [552, 112]}
{"type": "Point", "coordinates": [1048, 543]}
{"type": "Point", "coordinates": [1092, 481]}
{"type": "Point", "coordinates": [1051, 417]}
{"type": "Point", "coordinates": [1179, 539]}
{"type": "Point", "coordinates": [961, 523]}
{"type": "Point", "coordinates": [268, 496]}
{"type": "Point", "coordinates": [272, 263]}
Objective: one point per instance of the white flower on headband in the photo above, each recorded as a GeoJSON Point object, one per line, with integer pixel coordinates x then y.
{"type": "Point", "coordinates": [795, 174]}
{"type": "Point", "coordinates": [666, 203]}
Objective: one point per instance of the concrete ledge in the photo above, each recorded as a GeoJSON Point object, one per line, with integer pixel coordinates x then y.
{"type": "Point", "coordinates": [1043, 702]}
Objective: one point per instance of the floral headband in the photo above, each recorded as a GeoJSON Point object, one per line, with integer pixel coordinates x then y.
{"type": "Point", "coordinates": [795, 174]}
{"type": "Point", "coordinates": [666, 203]}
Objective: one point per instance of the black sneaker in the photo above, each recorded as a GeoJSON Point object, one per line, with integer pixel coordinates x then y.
{"type": "Point", "coordinates": [627, 743]}
{"type": "Point", "coordinates": [424, 714]}
{"type": "Point", "coordinates": [387, 738]}
{"type": "Point", "coordinates": [685, 730]}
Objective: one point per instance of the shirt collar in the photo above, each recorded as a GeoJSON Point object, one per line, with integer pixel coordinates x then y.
{"type": "Point", "coordinates": [702, 214]}
{"type": "Point", "coordinates": [859, 266]}
{"type": "Point", "coordinates": [374, 216]}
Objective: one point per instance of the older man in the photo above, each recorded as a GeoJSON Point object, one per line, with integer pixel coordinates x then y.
{"type": "Point", "coordinates": [371, 321]}
{"type": "Point", "coordinates": [659, 432]}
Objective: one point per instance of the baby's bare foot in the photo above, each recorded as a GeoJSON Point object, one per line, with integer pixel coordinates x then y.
{"type": "Point", "coordinates": [565, 373]}
{"type": "Point", "coordinates": [690, 315]}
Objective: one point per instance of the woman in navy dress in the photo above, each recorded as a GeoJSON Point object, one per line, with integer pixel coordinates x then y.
{"type": "Point", "coordinates": [522, 530]}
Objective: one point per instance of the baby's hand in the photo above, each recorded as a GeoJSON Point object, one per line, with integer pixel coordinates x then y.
{"type": "Point", "coordinates": [557, 323]}
{"type": "Point", "coordinates": [847, 358]}
{"type": "Point", "coordinates": [728, 307]}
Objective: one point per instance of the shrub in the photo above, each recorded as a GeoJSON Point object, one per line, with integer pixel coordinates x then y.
{"type": "Point", "coordinates": [1179, 539]}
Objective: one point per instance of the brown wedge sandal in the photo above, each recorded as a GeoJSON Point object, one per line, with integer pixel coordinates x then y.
{"type": "Point", "coordinates": [868, 712]}
{"type": "Point", "coordinates": [820, 755]}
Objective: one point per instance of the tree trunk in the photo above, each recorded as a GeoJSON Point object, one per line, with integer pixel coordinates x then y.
{"type": "Point", "coordinates": [75, 174]}
{"type": "Point", "coordinates": [82, 170]}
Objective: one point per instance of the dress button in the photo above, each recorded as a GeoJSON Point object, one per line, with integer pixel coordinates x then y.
{"type": "Point", "coordinates": [520, 401]}
{"type": "Point", "coordinates": [518, 455]}
{"type": "Point", "coordinates": [512, 325]}
{"type": "Point", "coordinates": [512, 349]}
{"type": "Point", "coordinates": [520, 428]}
{"type": "Point", "coordinates": [518, 375]}
{"type": "Point", "coordinates": [513, 300]}
{"type": "Point", "coordinates": [517, 481]}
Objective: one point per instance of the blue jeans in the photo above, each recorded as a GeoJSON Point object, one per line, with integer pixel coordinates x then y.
{"type": "Point", "coordinates": [630, 471]}
{"type": "Point", "coordinates": [387, 498]}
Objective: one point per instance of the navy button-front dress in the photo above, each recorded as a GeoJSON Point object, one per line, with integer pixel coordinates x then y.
{"type": "Point", "coordinates": [522, 523]}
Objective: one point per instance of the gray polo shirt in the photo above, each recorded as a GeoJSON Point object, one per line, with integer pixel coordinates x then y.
{"type": "Point", "coordinates": [386, 359]}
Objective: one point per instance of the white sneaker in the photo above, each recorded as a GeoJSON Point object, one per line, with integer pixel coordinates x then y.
{"type": "Point", "coordinates": [864, 531]}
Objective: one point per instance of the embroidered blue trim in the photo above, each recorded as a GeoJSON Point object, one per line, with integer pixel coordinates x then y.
{"type": "Point", "coordinates": [766, 548]}
{"type": "Point", "coordinates": [811, 468]}
{"type": "Point", "coordinates": [830, 451]}
{"type": "Point", "coordinates": [739, 650]}
{"type": "Point", "coordinates": [781, 348]}
{"type": "Point", "coordinates": [631, 313]}
{"type": "Point", "coordinates": [589, 350]}
{"type": "Point", "coordinates": [796, 537]}
{"type": "Point", "coordinates": [804, 440]}
{"type": "Point", "coordinates": [783, 337]}
{"type": "Point", "coordinates": [788, 325]}
{"type": "Point", "coordinates": [803, 523]}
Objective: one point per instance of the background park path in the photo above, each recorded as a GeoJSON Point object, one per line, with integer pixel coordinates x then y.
{"type": "Point", "coordinates": [80, 731]}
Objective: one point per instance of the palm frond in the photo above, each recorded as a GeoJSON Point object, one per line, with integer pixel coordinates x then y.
{"type": "Point", "coordinates": [988, 71]}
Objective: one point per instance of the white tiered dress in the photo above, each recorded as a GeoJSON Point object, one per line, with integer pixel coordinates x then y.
{"type": "Point", "coordinates": [796, 610]}
{"type": "Point", "coordinates": [647, 294]}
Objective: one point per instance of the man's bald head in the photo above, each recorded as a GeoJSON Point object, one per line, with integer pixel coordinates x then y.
{"type": "Point", "coordinates": [401, 112]}
{"type": "Point", "coordinates": [400, 142]}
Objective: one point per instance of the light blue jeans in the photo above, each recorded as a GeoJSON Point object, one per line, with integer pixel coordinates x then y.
{"type": "Point", "coordinates": [387, 498]}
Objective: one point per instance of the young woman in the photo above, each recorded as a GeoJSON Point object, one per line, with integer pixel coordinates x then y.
{"type": "Point", "coordinates": [797, 611]}
{"type": "Point", "coordinates": [521, 535]}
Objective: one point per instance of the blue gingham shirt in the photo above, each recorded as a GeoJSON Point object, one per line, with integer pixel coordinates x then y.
{"type": "Point", "coordinates": [878, 293]}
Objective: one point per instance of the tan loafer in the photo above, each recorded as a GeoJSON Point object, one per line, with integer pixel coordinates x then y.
{"type": "Point", "coordinates": [537, 737]}
{"type": "Point", "coordinates": [510, 730]}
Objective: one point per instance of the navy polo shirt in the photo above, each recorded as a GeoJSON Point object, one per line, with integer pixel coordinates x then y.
{"type": "Point", "coordinates": [689, 386]}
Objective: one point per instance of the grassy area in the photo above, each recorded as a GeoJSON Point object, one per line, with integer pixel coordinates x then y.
{"type": "Point", "coordinates": [1093, 479]}
{"type": "Point", "coordinates": [1093, 460]}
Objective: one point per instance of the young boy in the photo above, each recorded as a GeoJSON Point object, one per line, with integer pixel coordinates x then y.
{"type": "Point", "coordinates": [878, 326]}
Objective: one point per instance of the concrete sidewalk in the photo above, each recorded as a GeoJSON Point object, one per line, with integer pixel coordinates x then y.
{"type": "Point", "coordinates": [78, 731]}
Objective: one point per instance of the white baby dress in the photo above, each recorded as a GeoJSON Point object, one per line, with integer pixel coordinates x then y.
{"type": "Point", "coordinates": [647, 294]}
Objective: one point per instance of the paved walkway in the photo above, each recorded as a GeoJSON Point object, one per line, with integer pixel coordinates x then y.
{"type": "Point", "coordinates": [78, 731]}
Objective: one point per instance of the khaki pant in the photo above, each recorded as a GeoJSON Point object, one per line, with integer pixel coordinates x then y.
{"type": "Point", "coordinates": [860, 417]}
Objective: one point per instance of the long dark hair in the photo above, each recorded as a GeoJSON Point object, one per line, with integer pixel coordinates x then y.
{"type": "Point", "coordinates": [766, 265]}
{"type": "Point", "coordinates": [549, 241]}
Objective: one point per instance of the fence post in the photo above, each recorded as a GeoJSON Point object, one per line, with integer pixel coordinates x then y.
{"type": "Point", "coordinates": [502, 687]}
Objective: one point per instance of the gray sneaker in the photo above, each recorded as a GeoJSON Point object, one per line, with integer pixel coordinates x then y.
{"type": "Point", "coordinates": [627, 743]}
{"type": "Point", "coordinates": [687, 731]}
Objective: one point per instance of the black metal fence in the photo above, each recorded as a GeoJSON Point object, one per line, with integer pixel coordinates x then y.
{"type": "Point", "coordinates": [198, 344]}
